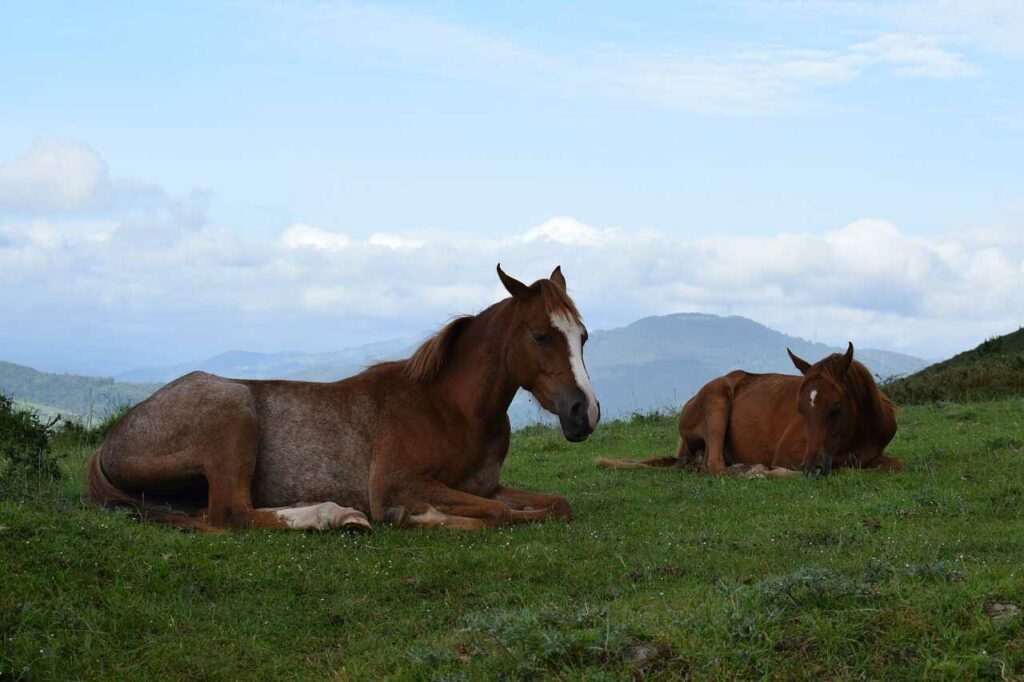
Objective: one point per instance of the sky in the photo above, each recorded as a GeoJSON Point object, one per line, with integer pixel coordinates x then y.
{"type": "Point", "coordinates": [181, 179]}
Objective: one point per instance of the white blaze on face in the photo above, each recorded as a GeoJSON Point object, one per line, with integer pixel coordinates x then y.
{"type": "Point", "coordinates": [574, 339]}
{"type": "Point", "coordinates": [814, 394]}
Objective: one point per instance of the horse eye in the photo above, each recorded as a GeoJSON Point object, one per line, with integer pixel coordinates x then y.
{"type": "Point", "coordinates": [540, 338]}
{"type": "Point", "coordinates": [834, 410]}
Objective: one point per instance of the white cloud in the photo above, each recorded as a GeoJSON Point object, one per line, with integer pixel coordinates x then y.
{"type": "Point", "coordinates": [304, 236]}
{"type": "Point", "coordinates": [748, 80]}
{"type": "Point", "coordinates": [395, 241]}
{"type": "Point", "coordinates": [996, 26]}
{"type": "Point", "coordinates": [867, 281]}
{"type": "Point", "coordinates": [921, 56]}
{"type": "Point", "coordinates": [568, 231]}
{"type": "Point", "coordinates": [54, 176]}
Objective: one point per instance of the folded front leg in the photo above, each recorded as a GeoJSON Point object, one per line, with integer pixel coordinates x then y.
{"type": "Point", "coordinates": [530, 506]}
{"type": "Point", "coordinates": [428, 503]}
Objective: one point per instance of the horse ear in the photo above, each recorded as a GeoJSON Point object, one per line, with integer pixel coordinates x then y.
{"type": "Point", "coordinates": [844, 364]}
{"type": "Point", "coordinates": [558, 278]}
{"type": "Point", "coordinates": [799, 362]}
{"type": "Point", "coordinates": [512, 285]}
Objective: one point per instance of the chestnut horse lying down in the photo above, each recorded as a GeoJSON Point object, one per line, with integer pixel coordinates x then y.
{"type": "Point", "coordinates": [774, 424]}
{"type": "Point", "coordinates": [418, 442]}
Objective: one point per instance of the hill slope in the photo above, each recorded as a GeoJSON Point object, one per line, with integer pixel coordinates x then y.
{"type": "Point", "coordinates": [654, 363]}
{"type": "Point", "coordinates": [69, 394]}
{"type": "Point", "coordinates": [994, 369]}
{"type": "Point", "coordinates": [659, 362]}
{"type": "Point", "coordinates": [288, 364]}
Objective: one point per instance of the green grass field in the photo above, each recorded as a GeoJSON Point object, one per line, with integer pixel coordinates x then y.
{"type": "Point", "coordinates": [663, 574]}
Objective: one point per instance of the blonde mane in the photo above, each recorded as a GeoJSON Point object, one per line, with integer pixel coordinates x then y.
{"type": "Point", "coordinates": [429, 358]}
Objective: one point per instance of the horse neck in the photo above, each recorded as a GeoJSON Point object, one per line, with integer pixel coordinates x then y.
{"type": "Point", "coordinates": [476, 377]}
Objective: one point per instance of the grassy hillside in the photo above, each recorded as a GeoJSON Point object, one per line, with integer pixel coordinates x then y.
{"type": "Point", "coordinates": [662, 575]}
{"type": "Point", "coordinates": [68, 394]}
{"type": "Point", "coordinates": [993, 369]}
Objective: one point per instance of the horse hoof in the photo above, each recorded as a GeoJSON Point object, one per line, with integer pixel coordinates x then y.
{"type": "Point", "coordinates": [357, 525]}
{"type": "Point", "coordinates": [396, 516]}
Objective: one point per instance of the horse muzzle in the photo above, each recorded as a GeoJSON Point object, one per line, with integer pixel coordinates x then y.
{"type": "Point", "coordinates": [572, 408]}
{"type": "Point", "coordinates": [820, 465]}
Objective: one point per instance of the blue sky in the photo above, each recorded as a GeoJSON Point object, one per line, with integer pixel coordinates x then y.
{"type": "Point", "coordinates": [177, 179]}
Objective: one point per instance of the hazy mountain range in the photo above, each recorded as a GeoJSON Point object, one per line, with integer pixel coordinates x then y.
{"type": "Point", "coordinates": [653, 363]}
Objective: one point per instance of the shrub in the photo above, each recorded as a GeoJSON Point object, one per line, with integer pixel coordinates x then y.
{"type": "Point", "coordinates": [76, 434]}
{"type": "Point", "coordinates": [25, 443]}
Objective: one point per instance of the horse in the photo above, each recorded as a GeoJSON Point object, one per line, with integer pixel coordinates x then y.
{"type": "Point", "coordinates": [775, 425]}
{"type": "Point", "coordinates": [417, 442]}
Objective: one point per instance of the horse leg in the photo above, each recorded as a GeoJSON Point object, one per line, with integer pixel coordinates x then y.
{"type": "Point", "coordinates": [229, 465]}
{"type": "Point", "coordinates": [873, 459]}
{"type": "Point", "coordinates": [229, 468]}
{"type": "Point", "coordinates": [885, 463]}
{"type": "Point", "coordinates": [430, 517]}
{"type": "Point", "coordinates": [530, 506]}
{"type": "Point", "coordinates": [230, 483]}
{"type": "Point", "coordinates": [716, 423]}
{"type": "Point", "coordinates": [781, 472]}
{"type": "Point", "coordinates": [322, 516]}
{"type": "Point", "coordinates": [788, 459]}
{"type": "Point", "coordinates": [428, 503]}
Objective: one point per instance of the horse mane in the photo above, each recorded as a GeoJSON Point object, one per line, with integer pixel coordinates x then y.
{"type": "Point", "coordinates": [861, 384]}
{"type": "Point", "coordinates": [430, 358]}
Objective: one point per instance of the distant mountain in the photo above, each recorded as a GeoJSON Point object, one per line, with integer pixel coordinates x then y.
{"type": "Point", "coordinates": [292, 365]}
{"type": "Point", "coordinates": [993, 369]}
{"type": "Point", "coordinates": [659, 362]}
{"type": "Point", "coordinates": [654, 363]}
{"type": "Point", "coordinates": [69, 394]}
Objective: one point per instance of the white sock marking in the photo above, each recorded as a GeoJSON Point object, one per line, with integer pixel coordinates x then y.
{"type": "Point", "coordinates": [321, 516]}
{"type": "Point", "coordinates": [574, 337]}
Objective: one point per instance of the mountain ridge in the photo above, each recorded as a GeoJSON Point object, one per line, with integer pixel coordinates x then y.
{"type": "Point", "coordinates": [655, 362]}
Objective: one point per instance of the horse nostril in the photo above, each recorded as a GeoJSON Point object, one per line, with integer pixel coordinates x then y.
{"type": "Point", "coordinates": [577, 409]}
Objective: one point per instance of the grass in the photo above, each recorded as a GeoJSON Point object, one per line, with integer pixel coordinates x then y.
{"type": "Point", "coordinates": [663, 574]}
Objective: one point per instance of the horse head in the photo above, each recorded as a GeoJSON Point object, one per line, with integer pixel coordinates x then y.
{"type": "Point", "coordinates": [544, 352]}
{"type": "Point", "coordinates": [828, 408]}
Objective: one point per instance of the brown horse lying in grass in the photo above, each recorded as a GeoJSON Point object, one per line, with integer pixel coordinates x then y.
{"type": "Point", "coordinates": [419, 442]}
{"type": "Point", "coordinates": [774, 424]}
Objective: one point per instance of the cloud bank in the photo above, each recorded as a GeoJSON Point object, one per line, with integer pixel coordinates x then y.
{"type": "Point", "coordinates": [154, 273]}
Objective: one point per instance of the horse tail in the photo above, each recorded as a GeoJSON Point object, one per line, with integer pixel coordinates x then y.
{"type": "Point", "coordinates": [648, 463]}
{"type": "Point", "coordinates": [102, 492]}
